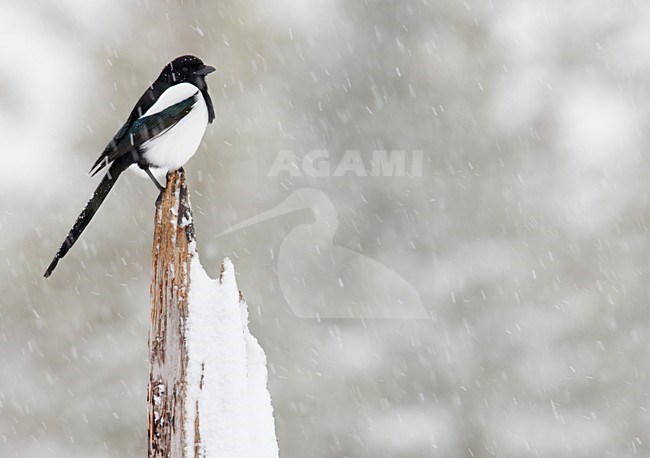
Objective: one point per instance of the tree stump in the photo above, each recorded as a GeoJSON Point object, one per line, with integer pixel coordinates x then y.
{"type": "Point", "coordinates": [172, 253]}
{"type": "Point", "coordinates": [208, 393]}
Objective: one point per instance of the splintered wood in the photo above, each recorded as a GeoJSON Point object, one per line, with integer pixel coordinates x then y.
{"type": "Point", "coordinates": [172, 254]}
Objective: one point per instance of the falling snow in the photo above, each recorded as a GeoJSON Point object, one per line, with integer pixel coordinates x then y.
{"type": "Point", "coordinates": [490, 301]}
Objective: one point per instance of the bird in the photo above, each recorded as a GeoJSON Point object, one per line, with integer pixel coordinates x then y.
{"type": "Point", "coordinates": [321, 279]}
{"type": "Point", "coordinates": [162, 133]}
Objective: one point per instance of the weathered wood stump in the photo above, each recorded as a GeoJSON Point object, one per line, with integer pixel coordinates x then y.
{"type": "Point", "coordinates": [172, 253]}
{"type": "Point", "coordinates": [207, 381]}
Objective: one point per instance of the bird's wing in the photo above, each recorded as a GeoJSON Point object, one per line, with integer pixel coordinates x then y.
{"type": "Point", "coordinates": [143, 129]}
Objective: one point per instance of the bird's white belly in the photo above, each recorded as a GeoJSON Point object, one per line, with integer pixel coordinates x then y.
{"type": "Point", "coordinates": [172, 149]}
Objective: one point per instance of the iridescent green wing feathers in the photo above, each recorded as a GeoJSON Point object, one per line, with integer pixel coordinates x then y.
{"type": "Point", "coordinates": [142, 130]}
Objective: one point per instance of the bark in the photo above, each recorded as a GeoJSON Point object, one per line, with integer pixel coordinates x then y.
{"type": "Point", "coordinates": [173, 243]}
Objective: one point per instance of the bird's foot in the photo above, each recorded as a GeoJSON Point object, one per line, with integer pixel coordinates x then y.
{"type": "Point", "coordinates": [153, 178]}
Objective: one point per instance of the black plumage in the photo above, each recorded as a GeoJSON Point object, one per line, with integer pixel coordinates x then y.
{"type": "Point", "coordinates": [132, 143]}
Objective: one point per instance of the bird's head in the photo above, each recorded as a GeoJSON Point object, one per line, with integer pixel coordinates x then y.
{"type": "Point", "coordinates": [187, 69]}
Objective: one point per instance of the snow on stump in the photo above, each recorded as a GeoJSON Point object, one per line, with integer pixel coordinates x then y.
{"type": "Point", "coordinates": [207, 379]}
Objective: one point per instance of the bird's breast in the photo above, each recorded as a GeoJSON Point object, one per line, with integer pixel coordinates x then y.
{"type": "Point", "coordinates": [173, 148]}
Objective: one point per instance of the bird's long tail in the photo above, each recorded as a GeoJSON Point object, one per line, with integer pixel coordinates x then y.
{"type": "Point", "coordinates": [88, 212]}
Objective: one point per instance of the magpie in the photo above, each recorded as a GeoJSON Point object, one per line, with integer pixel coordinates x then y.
{"type": "Point", "coordinates": [161, 134]}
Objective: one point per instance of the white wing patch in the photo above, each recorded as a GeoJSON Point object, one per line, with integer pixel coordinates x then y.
{"type": "Point", "coordinates": [171, 96]}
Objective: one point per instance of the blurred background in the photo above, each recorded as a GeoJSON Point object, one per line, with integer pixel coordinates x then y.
{"type": "Point", "coordinates": [524, 237]}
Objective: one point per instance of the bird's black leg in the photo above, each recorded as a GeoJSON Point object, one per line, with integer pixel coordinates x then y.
{"type": "Point", "coordinates": [153, 178]}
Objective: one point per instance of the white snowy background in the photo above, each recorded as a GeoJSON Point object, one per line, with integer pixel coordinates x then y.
{"type": "Point", "coordinates": [526, 236]}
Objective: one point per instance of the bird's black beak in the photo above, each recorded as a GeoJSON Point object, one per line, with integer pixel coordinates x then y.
{"type": "Point", "coordinates": [205, 70]}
